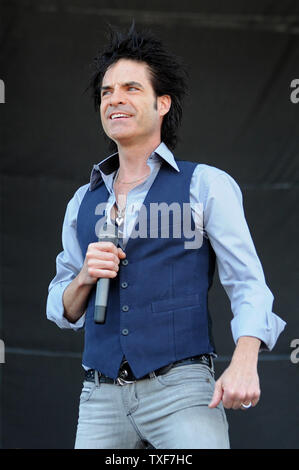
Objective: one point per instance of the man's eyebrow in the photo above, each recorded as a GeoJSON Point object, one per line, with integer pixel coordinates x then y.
{"type": "Point", "coordinates": [133, 84]}
{"type": "Point", "coordinates": [106, 87]}
{"type": "Point", "coordinates": [126, 84]}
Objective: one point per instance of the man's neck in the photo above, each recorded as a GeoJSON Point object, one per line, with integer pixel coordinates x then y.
{"type": "Point", "coordinates": [133, 158]}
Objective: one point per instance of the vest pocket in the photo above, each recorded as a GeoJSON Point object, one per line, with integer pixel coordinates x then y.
{"type": "Point", "coordinates": [175, 303]}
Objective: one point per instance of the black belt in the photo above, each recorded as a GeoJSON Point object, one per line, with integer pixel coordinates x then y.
{"type": "Point", "coordinates": [125, 374]}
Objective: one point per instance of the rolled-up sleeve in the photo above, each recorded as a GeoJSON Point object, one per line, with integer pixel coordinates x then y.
{"type": "Point", "coordinates": [68, 264]}
{"type": "Point", "coordinates": [239, 268]}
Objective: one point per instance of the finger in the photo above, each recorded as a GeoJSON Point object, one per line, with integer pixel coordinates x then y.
{"type": "Point", "coordinates": [121, 253]}
{"type": "Point", "coordinates": [103, 264]}
{"type": "Point", "coordinates": [228, 399]}
{"type": "Point", "coordinates": [251, 397]}
{"type": "Point", "coordinates": [102, 255]}
{"type": "Point", "coordinates": [255, 398]}
{"type": "Point", "coordinates": [255, 401]}
{"type": "Point", "coordinates": [102, 273]}
{"type": "Point", "coordinates": [236, 405]}
{"type": "Point", "coordinates": [104, 246]}
{"type": "Point", "coordinates": [239, 399]}
{"type": "Point", "coordinates": [217, 396]}
{"type": "Point", "coordinates": [244, 405]}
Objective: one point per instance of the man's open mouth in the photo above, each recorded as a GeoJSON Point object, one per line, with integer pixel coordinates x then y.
{"type": "Point", "coordinates": [119, 116]}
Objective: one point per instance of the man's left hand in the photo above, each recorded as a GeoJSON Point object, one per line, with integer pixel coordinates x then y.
{"type": "Point", "coordinates": [239, 383]}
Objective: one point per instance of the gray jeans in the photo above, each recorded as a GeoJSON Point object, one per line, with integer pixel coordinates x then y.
{"type": "Point", "coordinates": [166, 412]}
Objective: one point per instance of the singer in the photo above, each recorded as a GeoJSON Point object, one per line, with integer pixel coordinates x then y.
{"type": "Point", "coordinates": [148, 368]}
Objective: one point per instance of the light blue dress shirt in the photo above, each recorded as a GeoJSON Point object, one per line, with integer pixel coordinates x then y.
{"type": "Point", "coordinates": [222, 221]}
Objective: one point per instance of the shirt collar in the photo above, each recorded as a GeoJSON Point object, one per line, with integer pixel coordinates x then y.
{"type": "Point", "coordinates": [110, 164]}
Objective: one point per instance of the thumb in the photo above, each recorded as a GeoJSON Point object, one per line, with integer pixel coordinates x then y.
{"type": "Point", "coordinates": [218, 392]}
{"type": "Point", "coordinates": [121, 253]}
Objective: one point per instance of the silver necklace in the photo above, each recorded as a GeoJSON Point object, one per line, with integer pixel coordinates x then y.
{"type": "Point", "coordinates": [127, 182]}
{"type": "Point", "coordinates": [120, 211]}
{"type": "Point", "coordinates": [120, 217]}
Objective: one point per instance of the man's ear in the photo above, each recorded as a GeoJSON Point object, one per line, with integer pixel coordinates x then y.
{"type": "Point", "coordinates": [164, 104]}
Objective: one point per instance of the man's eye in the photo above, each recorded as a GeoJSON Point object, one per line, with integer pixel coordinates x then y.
{"type": "Point", "coordinates": [106, 92]}
{"type": "Point", "coordinates": [132, 88]}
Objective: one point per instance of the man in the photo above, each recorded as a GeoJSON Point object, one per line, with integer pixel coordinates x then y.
{"type": "Point", "coordinates": [149, 378]}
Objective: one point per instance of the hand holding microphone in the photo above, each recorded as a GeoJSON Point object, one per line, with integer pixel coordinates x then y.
{"type": "Point", "coordinates": [109, 235]}
{"type": "Point", "coordinates": [102, 264]}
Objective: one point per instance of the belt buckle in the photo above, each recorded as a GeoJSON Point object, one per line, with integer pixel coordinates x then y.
{"type": "Point", "coordinates": [120, 380]}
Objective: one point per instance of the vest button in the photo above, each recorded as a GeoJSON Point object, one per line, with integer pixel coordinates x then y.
{"type": "Point", "coordinates": [125, 332]}
{"type": "Point", "coordinates": [125, 308]}
{"type": "Point", "coordinates": [124, 262]}
{"type": "Point", "coordinates": [124, 285]}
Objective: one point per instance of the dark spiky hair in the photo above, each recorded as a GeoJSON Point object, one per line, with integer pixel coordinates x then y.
{"type": "Point", "coordinates": [168, 75]}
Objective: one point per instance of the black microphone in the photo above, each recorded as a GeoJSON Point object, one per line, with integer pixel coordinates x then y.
{"type": "Point", "coordinates": [107, 234]}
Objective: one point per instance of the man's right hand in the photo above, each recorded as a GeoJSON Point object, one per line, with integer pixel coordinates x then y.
{"type": "Point", "coordinates": [101, 260]}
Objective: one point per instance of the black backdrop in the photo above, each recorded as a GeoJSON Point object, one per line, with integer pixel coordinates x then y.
{"type": "Point", "coordinates": [242, 57]}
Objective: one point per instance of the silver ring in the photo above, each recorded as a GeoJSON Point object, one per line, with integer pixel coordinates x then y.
{"type": "Point", "coordinates": [246, 406]}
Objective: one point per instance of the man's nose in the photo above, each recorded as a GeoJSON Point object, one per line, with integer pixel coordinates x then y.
{"type": "Point", "coordinates": [117, 96]}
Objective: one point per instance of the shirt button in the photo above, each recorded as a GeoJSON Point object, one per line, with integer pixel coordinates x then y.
{"type": "Point", "coordinates": [125, 332]}
{"type": "Point", "coordinates": [124, 285]}
{"type": "Point", "coordinates": [125, 308]}
{"type": "Point", "coordinates": [124, 262]}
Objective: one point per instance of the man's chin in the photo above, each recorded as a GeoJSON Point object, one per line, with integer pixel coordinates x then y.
{"type": "Point", "coordinates": [122, 138]}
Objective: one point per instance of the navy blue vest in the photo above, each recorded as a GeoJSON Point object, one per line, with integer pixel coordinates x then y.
{"type": "Point", "coordinates": [157, 309]}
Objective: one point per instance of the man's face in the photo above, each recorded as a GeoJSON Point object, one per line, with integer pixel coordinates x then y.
{"type": "Point", "coordinates": [130, 111]}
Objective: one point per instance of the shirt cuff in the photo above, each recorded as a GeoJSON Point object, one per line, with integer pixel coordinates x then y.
{"type": "Point", "coordinates": [265, 327]}
{"type": "Point", "coordinates": [55, 308]}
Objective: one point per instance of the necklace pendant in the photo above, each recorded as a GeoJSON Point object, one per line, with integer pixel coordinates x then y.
{"type": "Point", "coordinates": [119, 220]}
